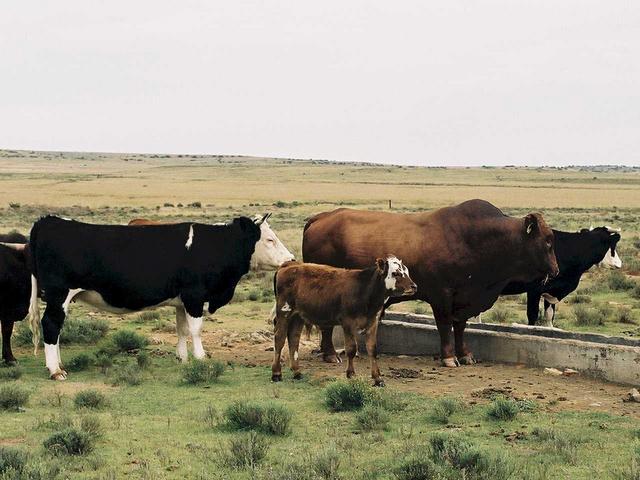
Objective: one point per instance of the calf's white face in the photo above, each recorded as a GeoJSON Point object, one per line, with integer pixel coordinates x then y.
{"type": "Point", "coordinates": [270, 252]}
{"type": "Point", "coordinates": [397, 279]}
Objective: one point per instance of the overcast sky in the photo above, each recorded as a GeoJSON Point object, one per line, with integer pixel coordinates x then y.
{"type": "Point", "coordinates": [413, 82]}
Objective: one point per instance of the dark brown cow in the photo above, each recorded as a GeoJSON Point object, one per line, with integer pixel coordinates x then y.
{"type": "Point", "coordinates": [461, 258]}
{"type": "Point", "coordinates": [327, 296]}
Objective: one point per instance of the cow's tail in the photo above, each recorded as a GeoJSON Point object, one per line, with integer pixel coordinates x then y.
{"type": "Point", "coordinates": [34, 314]}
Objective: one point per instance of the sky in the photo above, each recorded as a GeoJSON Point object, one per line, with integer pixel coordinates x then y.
{"type": "Point", "coordinates": [451, 82]}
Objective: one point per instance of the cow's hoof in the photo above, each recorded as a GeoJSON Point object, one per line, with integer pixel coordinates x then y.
{"type": "Point", "coordinates": [450, 362]}
{"type": "Point", "coordinates": [297, 376]}
{"type": "Point", "coordinates": [332, 358]}
{"type": "Point", "coordinates": [378, 383]}
{"type": "Point", "coordinates": [351, 374]}
{"type": "Point", "coordinates": [59, 375]}
{"type": "Point", "coordinates": [276, 377]}
{"type": "Point", "coordinates": [467, 359]}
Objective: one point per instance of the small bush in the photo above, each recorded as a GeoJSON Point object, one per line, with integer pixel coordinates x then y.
{"type": "Point", "coordinates": [78, 363]}
{"type": "Point", "coordinates": [341, 396]}
{"type": "Point", "coordinates": [104, 362]}
{"type": "Point", "coordinates": [127, 340]}
{"type": "Point", "coordinates": [444, 408]}
{"type": "Point", "coordinates": [254, 295]}
{"type": "Point", "coordinates": [202, 371]}
{"type": "Point", "coordinates": [326, 464]}
{"type": "Point", "coordinates": [584, 316]}
{"type": "Point", "coordinates": [90, 399]}
{"type": "Point", "coordinates": [499, 314]}
{"type": "Point", "coordinates": [127, 375]}
{"type": "Point", "coordinates": [83, 331]}
{"type": "Point", "coordinates": [624, 315]}
{"type": "Point", "coordinates": [619, 281]}
{"type": "Point", "coordinates": [418, 468]}
{"type": "Point", "coordinates": [12, 397]}
{"type": "Point", "coordinates": [12, 460]}
{"type": "Point", "coordinates": [272, 419]}
{"type": "Point", "coordinates": [419, 309]}
{"type": "Point", "coordinates": [147, 316]}
{"type": "Point", "coordinates": [503, 408]}
{"type": "Point", "coordinates": [372, 418]}
{"type": "Point", "coordinates": [579, 298]}
{"type": "Point", "coordinates": [635, 293]}
{"type": "Point", "coordinates": [450, 448]}
{"type": "Point", "coordinates": [246, 451]}
{"type": "Point", "coordinates": [10, 373]}
{"type": "Point", "coordinates": [70, 441]}
{"type": "Point", "coordinates": [143, 359]}
{"type": "Point", "coordinates": [92, 426]}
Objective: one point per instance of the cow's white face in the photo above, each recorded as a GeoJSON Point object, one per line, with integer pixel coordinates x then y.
{"type": "Point", "coordinates": [397, 279]}
{"type": "Point", "coordinates": [270, 252]}
{"type": "Point", "coordinates": [611, 260]}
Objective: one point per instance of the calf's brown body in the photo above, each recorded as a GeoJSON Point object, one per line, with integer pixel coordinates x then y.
{"type": "Point", "coordinates": [326, 296]}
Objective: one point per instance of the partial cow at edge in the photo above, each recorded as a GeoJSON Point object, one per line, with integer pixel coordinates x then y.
{"type": "Point", "coordinates": [15, 287]}
{"type": "Point", "coordinates": [123, 269]}
{"type": "Point", "coordinates": [308, 293]}
{"type": "Point", "coordinates": [461, 258]}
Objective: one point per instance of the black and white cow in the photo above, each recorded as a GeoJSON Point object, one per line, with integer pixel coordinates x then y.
{"type": "Point", "coordinates": [123, 269]}
{"type": "Point", "coordinates": [15, 288]}
{"type": "Point", "coordinates": [576, 253]}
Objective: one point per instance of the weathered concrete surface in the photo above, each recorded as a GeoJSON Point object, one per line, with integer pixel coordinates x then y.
{"type": "Point", "coordinates": [600, 358]}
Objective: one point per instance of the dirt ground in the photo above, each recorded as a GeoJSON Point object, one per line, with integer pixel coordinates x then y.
{"type": "Point", "coordinates": [424, 375]}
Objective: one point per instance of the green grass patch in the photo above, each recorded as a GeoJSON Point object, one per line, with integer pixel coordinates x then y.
{"type": "Point", "coordinates": [70, 441]}
{"type": "Point", "coordinates": [503, 408]}
{"type": "Point", "coordinates": [270, 418]}
{"type": "Point", "coordinates": [13, 397]}
{"type": "Point", "coordinates": [342, 396]}
{"type": "Point", "coordinates": [198, 372]}
{"type": "Point", "coordinates": [10, 373]}
{"type": "Point", "coordinates": [372, 418]}
{"type": "Point", "coordinates": [128, 340]}
{"type": "Point", "coordinates": [90, 398]}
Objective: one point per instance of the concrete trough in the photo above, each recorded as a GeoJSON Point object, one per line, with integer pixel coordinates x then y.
{"type": "Point", "coordinates": [615, 359]}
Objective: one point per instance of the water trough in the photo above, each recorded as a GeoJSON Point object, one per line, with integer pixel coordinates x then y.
{"type": "Point", "coordinates": [615, 359]}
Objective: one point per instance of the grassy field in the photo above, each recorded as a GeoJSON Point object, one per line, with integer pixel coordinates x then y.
{"type": "Point", "coordinates": [445, 424]}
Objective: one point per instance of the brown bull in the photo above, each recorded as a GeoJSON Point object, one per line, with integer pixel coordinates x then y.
{"type": "Point", "coordinates": [327, 296]}
{"type": "Point", "coordinates": [460, 257]}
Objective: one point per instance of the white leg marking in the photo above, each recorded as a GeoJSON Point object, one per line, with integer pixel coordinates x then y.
{"type": "Point", "coordinates": [295, 355]}
{"type": "Point", "coordinates": [52, 360]}
{"type": "Point", "coordinates": [286, 307]}
{"type": "Point", "coordinates": [182, 329]}
{"type": "Point", "coordinates": [189, 238]}
{"type": "Point", "coordinates": [548, 316]}
{"type": "Point", "coordinates": [195, 327]}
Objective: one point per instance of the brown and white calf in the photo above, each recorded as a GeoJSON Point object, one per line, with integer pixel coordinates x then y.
{"type": "Point", "coordinates": [327, 296]}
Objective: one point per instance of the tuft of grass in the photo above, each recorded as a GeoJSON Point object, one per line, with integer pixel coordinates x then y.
{"type": "Point", "coordinates": [147, 316]}
{"type": "Point", "coordinates": [584, 316]}
{"type": "Point", "coordinates": [90, 399]}
{"type": "Point", "coordinates": [503, 408]}
{"type": "Point", "coordinates": [271, 418]}
{"type": "Point", "coordinates": [499, 314]}
{"type": "Point", "coordinates": [579, 298]}
{"type": "Point", "coordinates": [10, 373]}
{"type": "Point", "coordinates": [12, 461]}
{"type": "Point", "coordinates": [104, 362]}
{"type": "Point", "coordinates": [128, 374]}
{"type": "Point", "coordinates": [143, 359]}
{"type": "Point", "coordinates": [563, 444]}
{"type": "Point", "coordinates": [372, 418]}
{"type": "Point", "coordinates": [13, 397]}
{"type": "Point", "coordinates": [128, 340]}
{"type": "Point", "coordinates": [79, 362]}
{"type": "Point", "coordinates": [444, 408]}
{"type": "Point", "coordinates": [91, 425]}
{"type": "Point", "coordinates": [246, 450]}
{"type": "Point", "coordinates": [70, 441]}
{"type": "Point", "coordinates": [635, 293]}
{"type": "Point", "coordinates": [624, 315]}
{"type": "Point", "coordinates": [418, 467]}
{"type": "Point", "coordinates": [419, 309]}
{"type": "Point", "coordinates": [202, 371]}
{"type": "Point", "coordinates": [326, 464]}
{"type": "Point", "coordinates": [618, 281]}
{"type": "Point", "coordinates": [342, 396]}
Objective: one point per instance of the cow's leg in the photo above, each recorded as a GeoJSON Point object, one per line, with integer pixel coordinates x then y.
{"type": "Point", "coordinates": [280, 335]}
{"type": "Point", "coordinates": [182, 329]}
{"type": "Point", "coordinates": [372, 351]}
{"type": "Point", "coordinates": [329, 353]}
{"type": "Point", "coordinates": [294, 332]}
{"type": "Point", "coordinates": [7, 330]}
{"type": "Point", "coordinates": [351, 348]}
{"type": "Point", "coordinates": [465, 357]}
{"type": "Point", "coordinates": [549, 312]}
{"type": "Point", "coordinates": [193, 310]}
{"type": "Point", "coordinates": [533, 307]}
{"type": "Point", "coordinates": [52, 322]}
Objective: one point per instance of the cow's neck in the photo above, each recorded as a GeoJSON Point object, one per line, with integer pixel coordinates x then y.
{"type": "Point", "coordinates": [374, 289]}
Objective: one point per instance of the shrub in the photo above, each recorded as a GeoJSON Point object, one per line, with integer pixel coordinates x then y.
{"type": "Point", "coordinates": [624, 315]}
{"type": "Point", "coordinates": [444, 408]}
{"type": "Point", "coordinates": [92, 426]}
{"type": "Point", "coordinates": [78, 363]}
{"type": "Point", "coordinates": [419, 309]}
{"type": "Point", "coordinates": [584, 316]}
{"type": "Point", "coordinates": [254, 295]}
{"type": "Point", "coordinates": [10, 373]}
{"type": "Point", "coordinates": [246, 451]}
{"type": "Point", "coordinates": [619, 281]}
{"type": "Point", "coordinates": [70, 441]}
{"type": "Point", "coordinates": [127, 340]}
{"type": "Point", "coordinates": [450, 448]}
{"type": "Point", "coordinates": [418, 468]}
{"type": "Point", "coordinates": [12, 397]}
{"type": "Point", "coordinates": [90, 399]}
{"type": "Point", "coordinates": [202, 371]}
{"type": "Point", "coordinates": [503, 408]}
{"type": "Point", "coordinates": [579, 298]}
{"type": "Point", "coordinates": [143, 359]}
{"type": "Point", "coordinates": [343, 396]}
{"type": "Point", "coordinates": [147, 316]}
{"type": "Point", "coordinates": [84, 331]}
{"type": "Point", "coordinates": [326, 464]}
{"type": "Point", "coordinates": [272, 419]}
{"type": "Point", "coordinates": [127, 375]}
{"type": "Point", "coordinates": [372, 418]}
{"type": "Point", "coordinates": [499, 314]}
{"type": "Point", "coordinates": [635, 293]}
{"type": "Point", "coordinates": [12, 460]}
{"type": "Point", "coordinates": [104, 362]}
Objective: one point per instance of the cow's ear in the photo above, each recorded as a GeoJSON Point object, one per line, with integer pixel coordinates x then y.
{"type": "Point", "coordinates": [530, 224]}
{"type": "Point", "coordinates": [260, 220]}
{"type": "Point", "coordinates": [382, 266]}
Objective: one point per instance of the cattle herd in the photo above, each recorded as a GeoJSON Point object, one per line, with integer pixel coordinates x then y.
{"type": "Point", "coordinates": [356, 263]}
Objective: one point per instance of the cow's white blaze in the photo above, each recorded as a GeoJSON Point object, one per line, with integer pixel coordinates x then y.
{"type": "Point", "coordinates": [269, 252]}
{"type": "Point", "coordinates": [395, 265]}
{"type": "Point", "coordinates": [611, 261]}
{"type": "Point", "coordinates": [189, 238]}
{"type": "Point", "coordinates": [195, 327]}
{"type": "Point", "coordinates": [52, 357]}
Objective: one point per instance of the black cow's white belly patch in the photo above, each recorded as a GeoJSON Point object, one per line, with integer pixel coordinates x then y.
{"type": "Point", "coordinates": [93, 298]}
